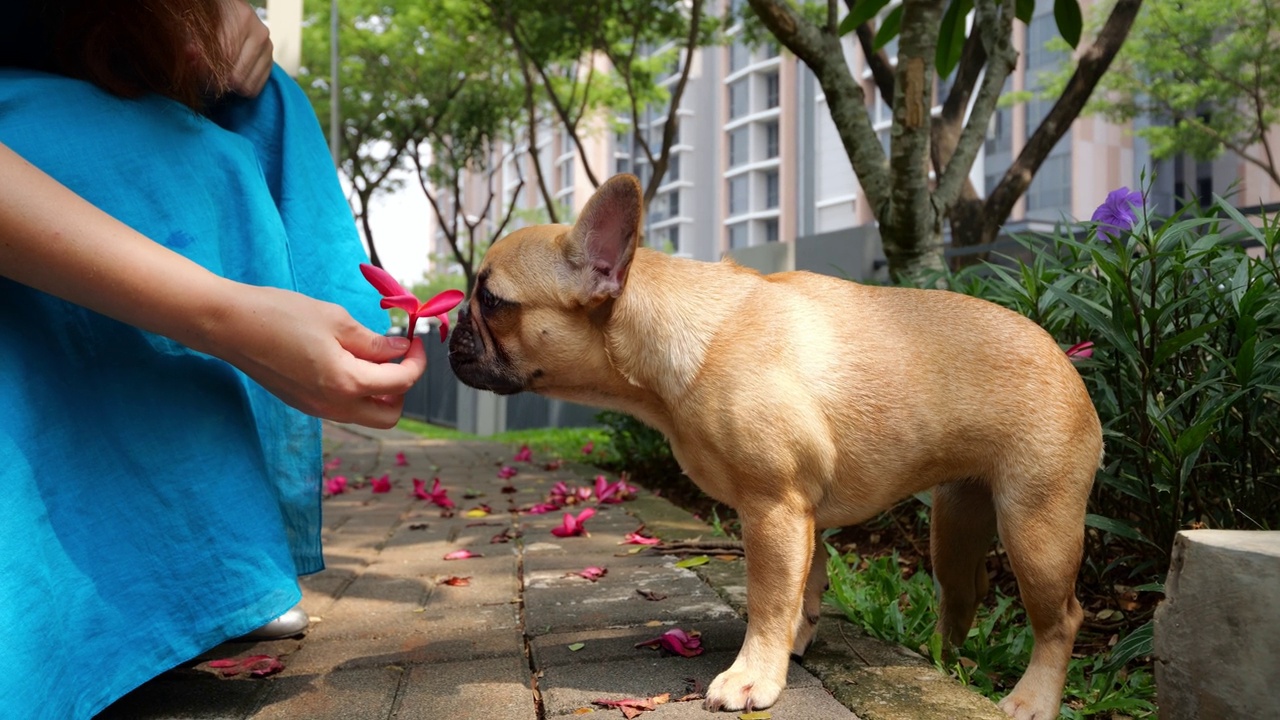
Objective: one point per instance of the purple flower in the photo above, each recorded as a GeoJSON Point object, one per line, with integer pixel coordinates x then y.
{"type": "Point", "coordinates": [1116, 214]}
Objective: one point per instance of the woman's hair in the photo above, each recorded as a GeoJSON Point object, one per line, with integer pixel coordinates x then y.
{"type": "Point", "coordinates": [133, 47]}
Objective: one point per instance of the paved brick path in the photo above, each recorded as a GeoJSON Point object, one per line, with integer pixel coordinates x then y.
{"type": "Point", "coordinates": [389, 641]}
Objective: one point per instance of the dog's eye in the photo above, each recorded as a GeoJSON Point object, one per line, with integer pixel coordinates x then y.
{"type": "Point", "coordinates": [488, 299]}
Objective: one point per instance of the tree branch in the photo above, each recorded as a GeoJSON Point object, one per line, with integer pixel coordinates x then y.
{"type": "Point", "coordinates": [672, 125]}
{"type": "Point", "coordinates": [1093, 64]}
{"type": "Point", "coordinates": [824, 55]}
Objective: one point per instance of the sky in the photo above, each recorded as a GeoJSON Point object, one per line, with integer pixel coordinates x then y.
{"type": "Point", "coordinates": [401, 225]}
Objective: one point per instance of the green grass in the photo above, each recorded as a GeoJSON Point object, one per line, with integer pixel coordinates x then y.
{"type": "Point", "coordinates": [875, 594]}
{"type": "Point", "coordinates": [546, 443]}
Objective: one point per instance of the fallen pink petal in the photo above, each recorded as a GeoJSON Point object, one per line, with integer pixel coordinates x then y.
{"type": "Point", "coordinates": [462, 555]}
{"type": "Point", "coordinates": [589, 447]}
{"type": "Point", "coordinates": [507, 472]}
{"type": "Point", "coordinates": [336, 485]}
{"type": "Point", "coordinates": [635, 538]}
{"type": "Point", "coordinates": [573, 526]}
{"type": "Point", "coordinates": [676, 641]}
{"type": "Point", "coordinates": [542, 508]}
{"type": "Point", "coordinates": [255, 665]}
{"type": "Point", "coordinates": [525, 455]}
{"type": "Point", "coordinates": [333, 464]}
{"type": "Point", "coordinates": [594, 573]}
{"type": "Point", "coordinates": [394, 295]}
{"type": "Point", "coordinates": [381, 485]}
{"type": "Point", "coordinates": [400, 460]}
{"type": "Point", "coordinates": [1081, 351]}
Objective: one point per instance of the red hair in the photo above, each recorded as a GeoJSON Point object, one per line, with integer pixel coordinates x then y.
{"type": "Point", "coordinates": [134, 47]}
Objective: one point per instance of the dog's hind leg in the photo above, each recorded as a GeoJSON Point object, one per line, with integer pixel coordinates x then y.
{"type": "Point", "coordinates": [807, 623]}
{"type": "Point", "coordinates": [779, 546]}
{"type": "Point", "coordinates": [961, 531]}
{"type": "Point", "coordinates": [1043, 534]}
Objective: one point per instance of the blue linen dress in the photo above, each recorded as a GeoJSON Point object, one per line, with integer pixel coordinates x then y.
{"type": "Point", "coordinates": [154, 501]}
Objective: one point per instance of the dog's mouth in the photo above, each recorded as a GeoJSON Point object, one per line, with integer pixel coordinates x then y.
{"type": "Point", "coordinates": [472, 365]}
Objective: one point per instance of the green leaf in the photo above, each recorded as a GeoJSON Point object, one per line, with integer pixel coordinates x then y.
{"type": "Point", "coordinates": [862, 11]}
{"type": "Point", "coordinates": [1192, 438]}
{"type": "Point", "coordinates": [577, 646]}
{"type": "Point", "coordinates": [1024, 10]}
{"type": "Point", "coordinates": [693, 561]}
{"type": "Point", "coordinates": [1070, 21]}
{"type": "Point", "coordinates": [1115, 527]}
{"type": "Point", "coordinates": [1150, 587]}
{"type": "Point", "coordinates": [889, 29]}
{"type": "Point", "coordinates": [1134, 645]}
{"type": "Point", "coordinates": [951, 37]}
{"type": "Point", "coordinates": [1168, 348]}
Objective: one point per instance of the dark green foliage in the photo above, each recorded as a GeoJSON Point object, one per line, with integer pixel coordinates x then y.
{"type": "Point", "coordinates": [640, 450]}
{"type": "Point", "coordinates": [1185, 372]}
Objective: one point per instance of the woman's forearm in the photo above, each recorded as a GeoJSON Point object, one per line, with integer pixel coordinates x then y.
{"type": "Point", "coordinates": [311, 354]}
{"type": "Point", "coordinates": [53, 240]}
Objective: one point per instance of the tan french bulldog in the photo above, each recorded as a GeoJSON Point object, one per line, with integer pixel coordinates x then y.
{"type": "Point", "coordinates": [808, 402]}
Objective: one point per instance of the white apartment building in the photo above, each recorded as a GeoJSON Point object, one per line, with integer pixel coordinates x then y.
{"type": "Point", "coordinates": [758, 161]}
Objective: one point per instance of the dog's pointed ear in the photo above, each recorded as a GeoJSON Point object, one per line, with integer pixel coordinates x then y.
{"type": "Point", "coordinates": [604, 239]}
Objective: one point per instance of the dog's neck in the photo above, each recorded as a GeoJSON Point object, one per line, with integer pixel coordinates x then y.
{"type": "Point", "coordinates": [670, 312]}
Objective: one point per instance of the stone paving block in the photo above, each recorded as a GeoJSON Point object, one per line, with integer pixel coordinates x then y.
{"type": "Point", "coordinates": [477, 690]}
{"type": "Point", "coordinates": [366, 694]}
{"type": "Point", "coordinates": [566, 688]}
{"type": "Point", "coordinates": [794, 704]}
{"type": "Point", "coordinates": [323, 656]}
{"type": "Point", "coordinates": [559, 604]}
{"type": "Point", "coordinates": [188, 694]}
{"type": "Point", "coordinates": [609, 644]}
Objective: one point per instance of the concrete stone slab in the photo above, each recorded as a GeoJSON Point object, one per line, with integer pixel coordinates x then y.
{"type": "Point", "coordinates": [569, 687]}
{"type": "Point", "coordinates": [477, 690]}
{"type": "Point", "coordinates": [319, 656]}
{"type": "Point", "coordinates": [1217, 633]}
{"type": "Point", "coordinates": [366, 694]}
{"type": "Point", "coordinates": [609, 644]}
{"type": "Point", "coordinates": [795, 704]}
{"type": "Point", "coordinates": [188, 694]}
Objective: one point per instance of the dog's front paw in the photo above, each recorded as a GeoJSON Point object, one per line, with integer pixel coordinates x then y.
{"type": "Point", "coordinates": [738, 690]}
{"type": "Point", "coordinates": [1021, 707]}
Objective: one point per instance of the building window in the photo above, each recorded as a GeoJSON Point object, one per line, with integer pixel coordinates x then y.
{"type": "Point", "coordinates": [739, 147]}
{"type": "Point", "coordinates": [623, 165]}
{"type": "Point", "coordinates": [771, 189]}
{"type": "Point", "coordinates": [771, 230]}
{"type": "Point", "coordinates": [566, 174]}
{"type": "Point", "coordinates": [770, 50]}
{"type": "Point", "coordinates": [738, 99]}
{"type": "Point", "coordinates": [739, 195]}
{"type": "Point", "coordinates": [771, 139]}
{"type": "Point", "coordinates": [739, 56]}
{"type": "Point", "coordinates": [738, 236]}
{"type": "Point", "coordinates": [771, 90]}
{"type": "Point", "coordinates": [673, 167]}
{"type": "Point", "coordinates": [673, 237]}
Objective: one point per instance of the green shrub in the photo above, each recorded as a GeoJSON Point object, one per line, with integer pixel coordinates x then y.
{"type": "Point", "coordinates": [876, 595]}
{"type": "Point", "coordinates": [639, 449]}
{"type": "Point", "coordinates": [1185, 370]}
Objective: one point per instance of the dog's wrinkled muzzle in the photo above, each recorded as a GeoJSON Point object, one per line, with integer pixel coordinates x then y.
{"type": "Point", "coordinates": [475, 366]}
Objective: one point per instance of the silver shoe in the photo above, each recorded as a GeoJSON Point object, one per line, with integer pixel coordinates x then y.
{"type": "Point", "coordinates": [293, 622]}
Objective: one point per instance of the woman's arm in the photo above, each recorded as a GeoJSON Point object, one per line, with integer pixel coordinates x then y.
{"type": "Point", "coordinates": [311, 354]}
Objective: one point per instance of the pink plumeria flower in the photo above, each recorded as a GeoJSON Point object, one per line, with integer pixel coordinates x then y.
{"type": "Point", "coordinates": [593, 573]}
{"type": "Point", "coordinates": [395, 296]}
{"type": "Point", "coordinates": [336, 485]}
{"type": "Point", "coordinates": [525, 455]}
{"type": "Point", "coordinates": [611, 493]}
{"type": "Point", "coordinates": [636, 538]}
{"type": "Point", "coordinates": [255, 665]}
{"type": "Point", "coordinates": [401, 461]}
{"type": "Point", "coordinates": [542, 508]}
{"type": "Point", "coordinates": [676, 641]}
{"type": "Point", "coordinates": [436, 495]}
{"type": "Point", "coordinates": [589, 447]}
{"type": "Point", "coordinates": [573, 526]}
{"type": "Point", "coordinates": [507, 472]}
{"type": "Point", "coordinates": [1081, 351]}
{"type": "Point", "coordinates": [333, 464]}
{"type": "Point", "coordinates": [381, 485]}
{"type": "Point", "coordinates": [462, 555]}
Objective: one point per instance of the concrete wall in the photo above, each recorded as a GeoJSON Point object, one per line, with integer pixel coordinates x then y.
{"type": "Point", "coordinates": [1217, 636]}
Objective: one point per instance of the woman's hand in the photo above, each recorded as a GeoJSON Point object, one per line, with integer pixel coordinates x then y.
{"type": "Point", "coordinates": [247, 44]}
{"type": "Point", "coordinates": [314, 356]}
